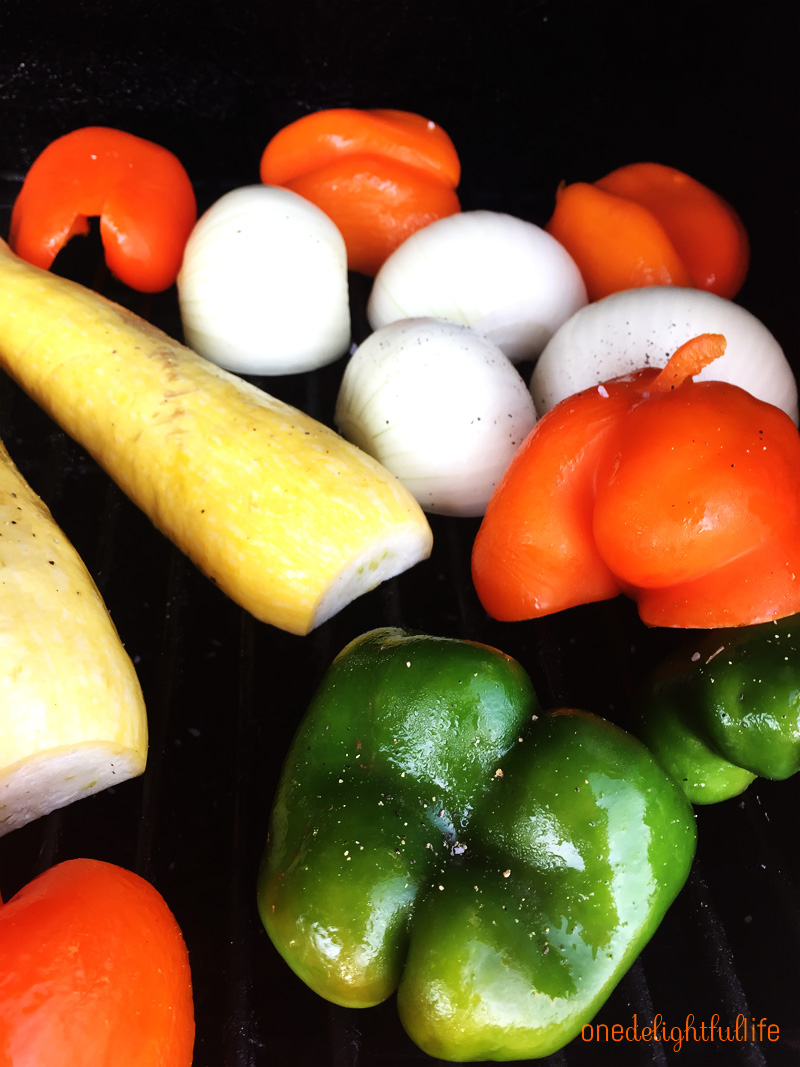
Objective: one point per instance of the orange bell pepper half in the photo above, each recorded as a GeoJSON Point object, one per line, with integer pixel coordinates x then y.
{"type": "Point", "coordinates": [93, 970]}
{"type": "Point", "coordinates": [140, 191]}
{"type": "Point", "coordinates": [683, 495]}
{"type": "Point", "coordinates": [380, 175]}
{"type": "Point", "coordinates": [648, 224]}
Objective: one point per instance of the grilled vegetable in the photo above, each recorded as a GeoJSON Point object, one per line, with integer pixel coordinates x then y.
{"type": "Point", "coordinates": [440, 406]}
{"type": "Point", "coordinates": [725, 709]}
{"type": "Point", "coordinates": [72, 716]}
{"type": "Point", "coordinates": [379, 174]}
{"type": "Point", "coordinates": [433, 833]}
{"type": "Point", "coordinates": [290, 520]}
{"type": "Point", "coordinates": [682, 494]}
{"type": "Point", "coordinates": [501, 275]}
{"type": "Point", "coordinates": [93, 970]}
{"type": "Point", "coordinates": [140, 191]}
{"type": "Point", "coordinates": [263, 284]}
{"type": "Point", "coordinates": [642, 327]}
{"type": "Point", "coordinates": [648, 224]}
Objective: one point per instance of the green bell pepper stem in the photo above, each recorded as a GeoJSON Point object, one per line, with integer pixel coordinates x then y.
{"type": "Point", "coordinates": [725, 710]}
{"type": "Point", "coordinates": [434, 832]}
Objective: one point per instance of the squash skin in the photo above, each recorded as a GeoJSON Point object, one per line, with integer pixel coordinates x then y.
{"type": "Point", "coordinates": [72, 714]}
{"type": "Point", "coordinates": [287, 518]}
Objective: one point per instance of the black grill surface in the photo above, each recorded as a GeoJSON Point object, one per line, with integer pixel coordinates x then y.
{"type": "Point", "coordinates": [531, 94]}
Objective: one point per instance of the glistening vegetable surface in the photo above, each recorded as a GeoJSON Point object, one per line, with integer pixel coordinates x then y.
{"type": "Point", "coordinates": [93, 970]}
{"type": "Point", "coordinates": [380, 174]}
{"type": "Point", "coordinates": [725, 709]}
{"type": "Point", "coordinates": [435, 833]}
{"type": "Point", "coordinates": [682, 494]}
{"type": "Point", "coordinates": [140, 191]}
{"type": "Point", "coordinates": [280, 512]}
{"type": "Point", "coordinates": [72, 714]}
{"type": "Point", "coordinates": [649, 224]}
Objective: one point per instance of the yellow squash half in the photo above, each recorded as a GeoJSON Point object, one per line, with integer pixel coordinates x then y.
{"type": "Point", "coordinates": [72, 717]}
{"type": "Point", "coordinates": [290, 520]}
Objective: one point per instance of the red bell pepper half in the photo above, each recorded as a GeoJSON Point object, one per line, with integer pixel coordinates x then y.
{"type": "Point", "coordinates": [683, 495]}
{"type": "Point", "coordinates": [93, 970]}
{"type": "Point", "coordinates": [379, 174]}
{"type": "Point", "coordinates": [140, 191]}
{"type": "Point", "coordinates": [648, 224]}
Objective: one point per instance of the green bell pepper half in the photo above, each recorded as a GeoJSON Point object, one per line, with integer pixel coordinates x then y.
{"type": "Point", "coordinates": [725, 709]}
{"type": "Point", "coordinates": [434, 832]}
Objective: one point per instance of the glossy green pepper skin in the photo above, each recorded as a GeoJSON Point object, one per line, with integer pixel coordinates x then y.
{"type": "Point", "coordinates": [726, 709]}
{"type": "Point", "coordinates": [435, 833]}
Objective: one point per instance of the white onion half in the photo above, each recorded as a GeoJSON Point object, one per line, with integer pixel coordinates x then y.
{"type": "Point", "coordinates": [439, 405]}
{"type": "Point", "coordinates": [643, 327]}
{"type": "Point", "coordinates": [505, 277]}
{"type": "Point", "coordinates": [263, 288]}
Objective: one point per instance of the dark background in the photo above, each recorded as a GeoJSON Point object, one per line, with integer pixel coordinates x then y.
{"type": "Point", "coordinates": [532, 94]}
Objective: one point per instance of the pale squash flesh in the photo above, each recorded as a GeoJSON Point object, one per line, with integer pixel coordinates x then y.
{"type": "Point", "coordinates": [284, 515]}
{"type": "Point", "coordinates": [72, 715]}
